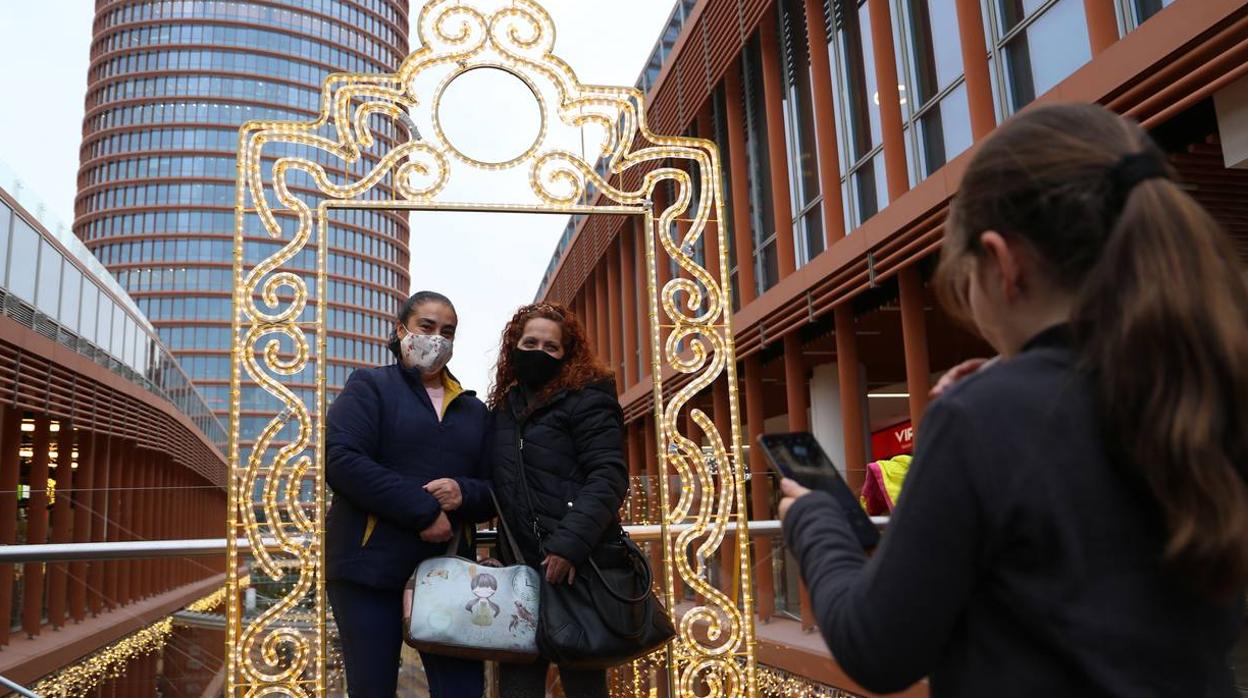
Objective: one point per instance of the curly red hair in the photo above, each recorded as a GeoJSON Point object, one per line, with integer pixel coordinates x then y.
{"type": "Point", "coordinates": [581, 367]}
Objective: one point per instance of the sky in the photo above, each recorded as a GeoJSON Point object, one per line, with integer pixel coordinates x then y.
{"type": "Point", "coordinates": [487, 264]}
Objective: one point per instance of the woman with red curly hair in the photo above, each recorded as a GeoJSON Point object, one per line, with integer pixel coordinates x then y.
{"type": "Point", "coordinates": [558, 463]}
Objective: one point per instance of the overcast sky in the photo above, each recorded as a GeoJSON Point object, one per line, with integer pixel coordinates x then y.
{"type": "Point", "coordinates": [487, 264]}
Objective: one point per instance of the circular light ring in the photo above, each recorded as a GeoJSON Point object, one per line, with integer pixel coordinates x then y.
{"type": "Point", "coordinates": [435, 116]}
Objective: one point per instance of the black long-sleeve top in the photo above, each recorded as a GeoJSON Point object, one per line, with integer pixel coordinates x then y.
{"type": "Point", "coordinates": [1020, 560]}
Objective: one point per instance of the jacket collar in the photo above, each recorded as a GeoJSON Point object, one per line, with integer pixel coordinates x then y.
{"type": "Point", "coordinates": [1056, 337]}
{"type": "Point", "coordinates": [451, 386]}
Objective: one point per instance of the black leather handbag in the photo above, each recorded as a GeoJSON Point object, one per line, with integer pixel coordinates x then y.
{"type": "Point", "coordinates": [609, 616]}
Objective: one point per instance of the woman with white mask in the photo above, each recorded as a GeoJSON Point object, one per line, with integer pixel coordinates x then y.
{"type": "Point", "coordinates": [405, 459]}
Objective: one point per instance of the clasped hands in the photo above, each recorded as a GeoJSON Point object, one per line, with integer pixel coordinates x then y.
{"type": "Point", "coordinates": [449, 496]}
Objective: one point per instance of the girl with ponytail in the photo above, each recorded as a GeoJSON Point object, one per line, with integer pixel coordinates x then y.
{"type": "Point", "coordinates": [1076, 519]}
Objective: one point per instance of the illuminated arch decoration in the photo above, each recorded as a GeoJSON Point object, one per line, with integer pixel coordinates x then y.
{"type": "Point", "coordinates": [282, 651]}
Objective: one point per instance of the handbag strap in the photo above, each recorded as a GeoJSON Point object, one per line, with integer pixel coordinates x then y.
{"type": "Point", "coordinates": [507, 537]}
{"type": "Point", "coordinates": [452, 548]}
{"type": "Point", "coordinates": [647, 575]}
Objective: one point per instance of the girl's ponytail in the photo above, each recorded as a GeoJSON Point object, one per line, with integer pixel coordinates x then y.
{"type": "Point", "coordinates": [1160, 313]}
{"type": "Point", "coordinates": [1161, 319]}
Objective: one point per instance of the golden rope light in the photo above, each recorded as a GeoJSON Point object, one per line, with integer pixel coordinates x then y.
{"type": "Point", "coordinates": [272, 653]}
{"type": "Point", "coordinates": [81, 678]}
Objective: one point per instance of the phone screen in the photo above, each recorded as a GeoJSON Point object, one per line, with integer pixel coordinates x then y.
{"type": "Point", "coordinates": [798, 456]}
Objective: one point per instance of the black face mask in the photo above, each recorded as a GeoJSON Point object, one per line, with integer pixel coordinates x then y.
{"type": "Point", "coordinates": [534, 368]}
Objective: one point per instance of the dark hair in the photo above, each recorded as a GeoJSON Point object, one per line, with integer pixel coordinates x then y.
{"type": "Point", "coordinates": [1159, 295]}
{"type": "Point", "coordinates": [485, 579]}
{"type": "Point", "coordinates": [581, 367]}
{"type": "Point", "coordinates": [405, 313]}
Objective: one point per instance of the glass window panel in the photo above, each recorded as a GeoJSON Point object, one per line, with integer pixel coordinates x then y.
{"type": "Point", "coordinates": [90, 316]}
{"type": "Point", "coordinates": [1052, 47]}
{"type": "Point", "coordinates": [117, 337]}
{"type": "Point", "coordinates": [6, 220]}
{"type": "Point", "coordinates": [25, 245]}
{"type": "Point", "coordinates": [71, 289]}
{"type": "Point", "coordinates": [48, 297]}
{"type": "Point", "coordinates": [1144, 9]}
{"type": "Point", "coordinates": [105, 329]}
{"type": "Point", "coordinates": [955, 113]}
{"type": "Point", "coordinates": [1012, 12]}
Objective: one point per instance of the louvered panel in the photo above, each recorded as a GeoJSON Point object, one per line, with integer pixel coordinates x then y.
{"type": "Point", "coordinates": [30, 382]}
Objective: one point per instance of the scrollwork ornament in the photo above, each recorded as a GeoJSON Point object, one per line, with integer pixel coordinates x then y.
{"type": "Point", "coordinates": [368, 139]}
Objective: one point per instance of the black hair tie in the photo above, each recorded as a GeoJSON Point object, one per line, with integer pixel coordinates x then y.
{"type": "Point", "coordinates": [1133, 169]}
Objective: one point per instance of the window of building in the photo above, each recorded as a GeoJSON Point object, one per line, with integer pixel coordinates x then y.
{"type": "Point", "coordinates": [799, 133]}
{"type": "Point", "coordinates": [6, 220]}
{"type": "Point", "coordinates": [22, 274]}
{"type": "Point", "coordinates": [1136, 12]}
{"type": "Point", "coordinates": [762, 217]}
{"type": "Point", "coordinates": [933, 89]}
{"type": "Point", "coordinates": [90, 315]}
{"type": "Point", "coordinates": [861, 140]}
{"type": "Point", "coordinates": [720, 114]}
{"type": "Point", "coordinates": [48, 295]}
{"type": "Point", "coordinates": [1036, 44]}
{"type": "Point", "coordinates": [71, 290]}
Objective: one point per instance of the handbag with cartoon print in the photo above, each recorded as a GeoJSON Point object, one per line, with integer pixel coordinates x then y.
{"type": "Point", "coordinates": [470, 610]}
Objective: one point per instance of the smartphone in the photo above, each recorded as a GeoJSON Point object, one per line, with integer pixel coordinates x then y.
{"type": "Point", "coordinates": [799, 457]}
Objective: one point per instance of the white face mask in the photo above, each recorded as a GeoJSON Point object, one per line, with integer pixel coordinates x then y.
{"type": "Point", "coordinates": [429, 353]}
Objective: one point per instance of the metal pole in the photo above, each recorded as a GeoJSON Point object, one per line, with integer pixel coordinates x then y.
{"type": "Point", "coordinates": [204, 547]}
{"type": "Point", "coordinates": [18, 689]}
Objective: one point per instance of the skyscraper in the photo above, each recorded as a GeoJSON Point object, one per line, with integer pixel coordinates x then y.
{"type": "Point", "coordinates": [169, 84]}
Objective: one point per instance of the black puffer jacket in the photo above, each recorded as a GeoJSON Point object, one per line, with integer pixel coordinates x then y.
{"type": "Point", "coordinates": [573, 450]}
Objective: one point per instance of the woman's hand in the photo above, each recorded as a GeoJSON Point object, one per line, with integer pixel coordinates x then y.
{"type": "Point", "coordinates": [439, 531]}
{"type": "Point", "coordinates": [557, 569]}
{"type": "Point", "coordinates": [447, 492]}
{"type": "Point", "coordinates": [956, 374]}
{"type": "Point", "coordinates": [792, 492]}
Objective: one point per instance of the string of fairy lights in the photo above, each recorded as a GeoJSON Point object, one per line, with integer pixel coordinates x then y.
{"type": "Point", "coordinates": [272, 654]}
{"type": "Point", "coordinates": [109, 663]}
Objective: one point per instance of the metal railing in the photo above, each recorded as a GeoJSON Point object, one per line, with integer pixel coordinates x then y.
{"type": "Point", "coordinates": [205, 547]}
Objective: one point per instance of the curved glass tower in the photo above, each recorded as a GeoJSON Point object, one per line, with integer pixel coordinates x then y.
{"type": "Point", "coordinates": [170, 83]}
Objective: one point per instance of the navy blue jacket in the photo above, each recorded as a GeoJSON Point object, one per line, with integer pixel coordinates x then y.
{"type": "Point", "coordinates": [1022, 558]}
{"type": "Point", "coordinates": [384, 443]}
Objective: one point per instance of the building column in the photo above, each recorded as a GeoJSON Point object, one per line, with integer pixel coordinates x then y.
{"type": "Point", "coordinates": [643, 237]}
{"type": "Point", "coordinates": [721, 405]}
{"type": "Point", "coordinates": [615, 339]}
{"type": "Point", "coordinates": [734, 107]}
{"type": "Point", "coordinates": [975, 67]}
{"type": "Point", "coordinates": [851, 396]}
{"type": "Point", "coordinates": [823, 101]}
{"type": "Point", "coordinates": [797, 400]}
{"type": "Point", "coordinates": [36, 527]}
{"type": "Point", "coordinates": [117, 522]}
{"type": "Point", "coordinates": [62, 523]}
{"type": "Point", "coordinates": [150, 496]}
{"type": "Point", "coordinates": [96, 569]}
{"type": "Point", "coordinates": [1102, 24]}
{"type": "Point", "coordinates": [777, 150]}
{"type": "Point", "coordinates": [914, 340]}
{"type": "Point", "coordinates": [895, 165]}
{"type": "Point", "coordinates": [604, 302]}
{"type": "Point", "coordinates": [84, 484]}
{"type": "Point", "coordinates": [628, 297]}
{"type": "Point", "coordinates": [760, 488]}
{"type": "Point", "coordinates": [166, 519]}
{"type": "Point", "coordinates": [654, 499]}
{"type": "Point", "coordinates": [589, 307]}
{"type": "Point", "coordinates": [10, 471]}
{"type": "Point", "coordinates": [126, 527]}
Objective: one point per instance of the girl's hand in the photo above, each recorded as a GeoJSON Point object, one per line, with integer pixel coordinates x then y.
{"type": "Point", "coordinates": [792, 492]}
{"type": "Point", "coordinates": [957, 373]}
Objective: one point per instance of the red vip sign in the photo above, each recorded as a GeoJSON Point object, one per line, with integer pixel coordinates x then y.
{"type": "Point", "coordinates": [894, 441]}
